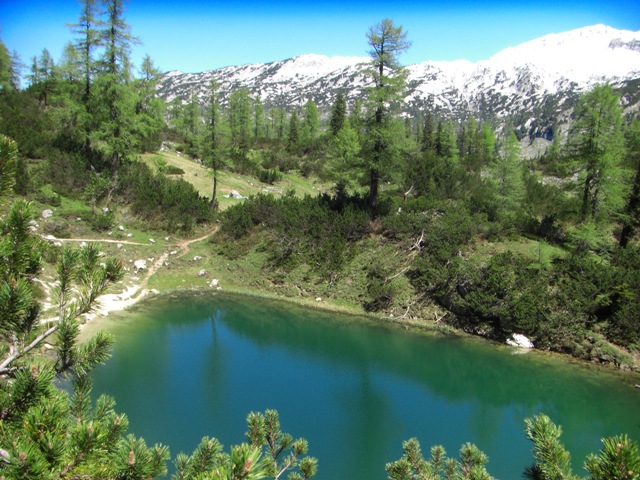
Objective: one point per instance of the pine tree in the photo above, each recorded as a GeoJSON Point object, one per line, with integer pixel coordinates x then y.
{"type": "Point", "coordinates": [48, 433]}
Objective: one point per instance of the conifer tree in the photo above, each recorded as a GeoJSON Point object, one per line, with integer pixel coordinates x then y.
{"type": "Point", "coordinates": [48, 433]}
{"type": "Point", "coordinates": [5, 69]}
{"type": "Point", "coordinates": [310, 123]}
{"type": "Point", "coordinates": [387, 42]}
{"type": "Point", "coordinates": [596, 141]}
{"type": "Point", "coordinates": [631, 215]}
{"type": "Point", "coordinates": [427, 140]}
{"type": "Point", "coordinates": [338, 114]}
{"type": "Point", "coordinates": [212, 144]}
{"type": "Point", "coordinates": [293, 139]}
{"type": "Point", "coordinates": [116, 98]}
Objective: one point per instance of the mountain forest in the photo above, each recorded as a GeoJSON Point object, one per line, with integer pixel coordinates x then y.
{"type": "Point", "coordinates": [411, 217]}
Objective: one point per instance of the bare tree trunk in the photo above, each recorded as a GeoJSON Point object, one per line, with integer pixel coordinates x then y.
{"type": "Point", "coordinates": [215, 188]}
{"type": "Point", "coordinates": [632, 207]}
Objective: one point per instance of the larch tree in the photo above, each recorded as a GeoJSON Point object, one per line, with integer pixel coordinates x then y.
{"type": "Point", "coordinates": [631, 215]}
{"type": "Point", "coordinates": [387, 42]}
{"type": "Point", "coordinates": [338, 114]}
{"type": "Point", "coordinates": [5, 68]}
{"type": "Point", "coordinates": [507, 173]}
{"type": "Point", "coordinates": [310, 123]}
{"type": "Point", "coordinates": [596, 140]}
{"type": "Point", "coordinates": [116, 96]}
{"type": "Point", "coordinates": [88, 41]}
{"type": "Point", "coordinates": [212, 144]}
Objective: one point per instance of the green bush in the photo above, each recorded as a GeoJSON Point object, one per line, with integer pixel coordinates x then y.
{"type": "Point", "coordinates": [102, 221]}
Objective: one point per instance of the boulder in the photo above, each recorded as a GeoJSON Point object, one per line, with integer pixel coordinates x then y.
{"type": "Point", "coordinates": [214, 283]}
{"type": "Point", "coordinates": [202, 273]}
{"type": "Point", "coordinates": [47, 213]}
{"type": "Point", "coordinates": [235, 194]}
{"type": "Point", "coordinates": [520, 341]}
{"type": "Point", "coordinates": [140, 265]}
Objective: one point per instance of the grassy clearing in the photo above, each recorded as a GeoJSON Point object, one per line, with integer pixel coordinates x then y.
{"type": "Point", "coordinates": [538, 251]}
{"type": "Point", "coordinates": [202, 179]}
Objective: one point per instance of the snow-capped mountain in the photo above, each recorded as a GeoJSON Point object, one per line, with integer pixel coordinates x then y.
{"type": "Point", "coordinates": [534, 85]}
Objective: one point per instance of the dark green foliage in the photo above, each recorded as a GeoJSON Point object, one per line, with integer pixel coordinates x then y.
{"type": "Point", "coordinates": [503, 297]}
{"type": "Point", "coordinates": [102, 221]}
{"type": "Point", "coordinates": [171, 203]}
{"type": "Point", "coordinates": [268, 453]}
{"type": "Point", "coordinates": [318, 231]}
{"type": "Point", "coordinates": [172, 170]}
{"type": "Point", "coordinates": [380, 288]}
{"type": "Point", "coordinates": [413, 465]}
{"type": "Point", "coordinates": [269, 176]}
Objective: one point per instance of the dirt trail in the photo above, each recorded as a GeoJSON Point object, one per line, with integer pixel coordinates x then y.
{"type": "Point", "coordinates": [119, 301]}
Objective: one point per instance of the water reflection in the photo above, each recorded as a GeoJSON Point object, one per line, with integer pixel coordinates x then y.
{"type": "Point", "coordinates": [354, 389]}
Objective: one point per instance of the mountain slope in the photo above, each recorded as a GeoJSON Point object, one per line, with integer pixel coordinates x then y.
{"type": "Point", "coordinates": [534, 85]}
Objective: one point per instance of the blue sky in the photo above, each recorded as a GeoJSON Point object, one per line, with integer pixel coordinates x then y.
{"type": "Point", "coordinates": [198, 35]}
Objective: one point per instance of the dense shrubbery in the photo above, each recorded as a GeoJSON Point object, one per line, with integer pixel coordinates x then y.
{"type": "Point", "coordinates": [319, 231]}
{"type": "Point", "coordinates": [172, 203]}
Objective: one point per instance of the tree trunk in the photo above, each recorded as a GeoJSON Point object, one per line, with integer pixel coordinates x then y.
{"type": "Point", "coordinates": [632, 207]}
{"type": "Point", "coordinates": [374, 181]}
{"type": "Point", "coordinates": [586, 195]}
{"type": "Point", "coordinates": [215, 188]}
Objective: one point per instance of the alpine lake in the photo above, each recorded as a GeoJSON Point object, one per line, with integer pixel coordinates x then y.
{"type": "Point", "coordinates": [190, 366]}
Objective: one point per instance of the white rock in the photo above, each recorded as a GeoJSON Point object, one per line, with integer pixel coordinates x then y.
{"type": "Point", "coordinates": [173, 252]}
{"type": "Point", "coordinates": [129, 235]}
{"type": "Point", "coordinates": [214, 283]}
{"type": "Point", "coordinates": [121, 228]}
{"type": "Point", "coordinates": [319, 299]}
{"type": "Point", "coordinates": [196, 258]}
{"type": "Point", "coordinates": [83, 244]}
{"type": "Point", "coordinates": [151, 240]}
{"type": "Point", "coordinates": [140, 265]}
{"type": "Point", "coordinates": [33, 223]}
{"type": "Point", "coordinates": [166, 239]}
{"type": "Point", "coordinates": [57, 244]}
{"type": "Point", "coordinates": [202, 273]}
{"type": "Point", "coordinates": [118, 245]}
{"type": "Point", "coordinates": [49, 237]}
{"type": "Point", "coordinates": [105, 209]}
{"type": "Point", "coordinates": [520, 341]}
{"type": "Point", "coordinates": [47, 213]}
{"type": "Point", "coordinates": [235, 194]}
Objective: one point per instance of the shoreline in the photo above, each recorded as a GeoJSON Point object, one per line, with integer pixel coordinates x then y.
{"type": "Point", "coordinates": [118, 303]}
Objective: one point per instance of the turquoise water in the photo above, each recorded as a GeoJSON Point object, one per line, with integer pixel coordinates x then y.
{"type": "Point", "coordinates": [189, 367]}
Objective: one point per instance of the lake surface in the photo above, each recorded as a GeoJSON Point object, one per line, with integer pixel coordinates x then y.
{"type": "Point", "coordinates": [188, 367]}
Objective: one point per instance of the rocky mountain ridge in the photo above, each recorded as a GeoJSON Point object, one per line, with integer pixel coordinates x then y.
{"type": "Point", "coordinates": [532, 87]}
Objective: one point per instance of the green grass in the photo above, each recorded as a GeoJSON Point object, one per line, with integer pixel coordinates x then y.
{"type": "Point", "coordinates": [538, 251]}
{"type": "Point", "coordinates": [202, 179]}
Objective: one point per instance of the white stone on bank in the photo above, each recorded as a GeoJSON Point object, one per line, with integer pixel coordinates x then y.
{"type": "Point", "coordinates": [519, 341]}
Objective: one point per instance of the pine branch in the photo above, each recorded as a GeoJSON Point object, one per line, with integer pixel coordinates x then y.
{"type": "Point", "coordinates": [4, 370]}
